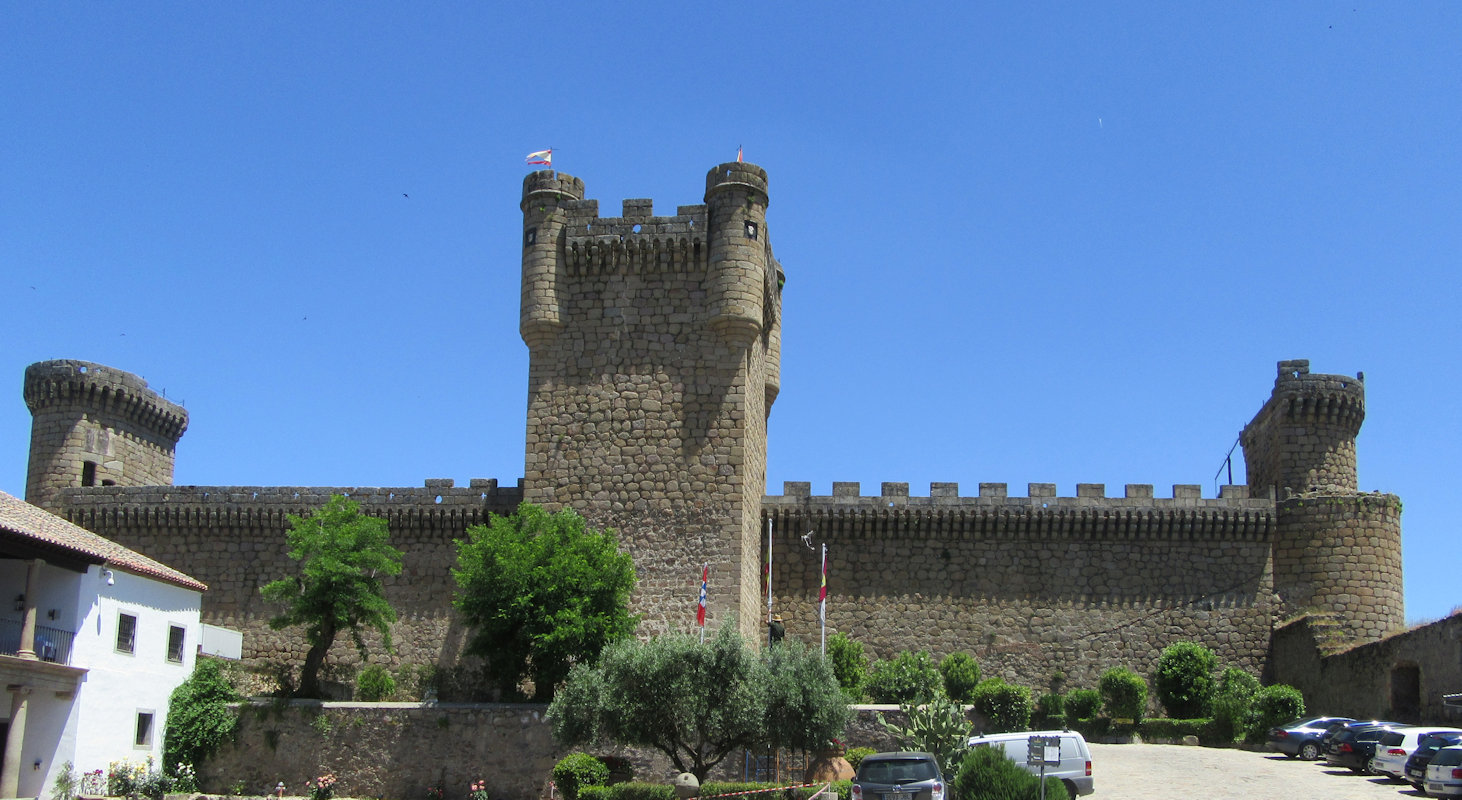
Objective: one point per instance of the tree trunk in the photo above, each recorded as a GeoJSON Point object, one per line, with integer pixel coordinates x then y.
{"type": "Point", "coordinates": [310, 673]}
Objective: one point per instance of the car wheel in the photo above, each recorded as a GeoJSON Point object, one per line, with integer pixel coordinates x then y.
{"type": "Point", "coordinates": [1309, 751]}
{"type": "Point", "coordinates": [1369, 767]}
{"type": "Point", "coordinates": [1070, 790]}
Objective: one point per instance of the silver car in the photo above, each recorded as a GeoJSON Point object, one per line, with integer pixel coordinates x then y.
{"type": "Point", "coordinates": [1444, 773]}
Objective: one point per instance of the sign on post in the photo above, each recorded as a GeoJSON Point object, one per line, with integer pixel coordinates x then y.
{"type": "Point", "coordinates": [1043, 751]}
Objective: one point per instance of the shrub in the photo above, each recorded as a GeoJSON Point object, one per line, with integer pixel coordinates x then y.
{"type": "Point", "coordinates": [1006, 707]}
{"type": "Point", "coordinates": [986, 774]}
{"type": "Point", "coordinates": [1083, 703]}
{"type": "Point", "coordinates": [579, 769]}
{"type": "Point", "coordinates": [1276, 704]}
{"type": "Point", "coordinates": [1183, 679]}
{"type": "Point", "coordinates": [374, 684]}
{"type": "Point", "coordinates": [1124, 694]}
{"type": "Point", "coordinates": [909, 678]}
{"type": "Point", "coordinates": [1232, 706]}
{"type": "Point", "coordinates": [855, 756]}
{"type": "Point", "coordinates": [850, 667]}
{"type": "Point", "coordinates": [629, 791]}
{"type": "Point", "coordinates": [1172, 729]}
{"type": "Point", "coordinates": [1050, 711]}
{"type": "Point", "coordinates": [199, 718]}
{"type": "Point", "coordinates": [961, 675]}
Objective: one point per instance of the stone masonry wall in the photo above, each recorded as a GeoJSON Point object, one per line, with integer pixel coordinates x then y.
{"type": "Point", "coordinates": [1030, 585]}
{"type": "Point", "coordinates": [233, 539]}
{"type": "Point", "coordinates": [1341, 554]}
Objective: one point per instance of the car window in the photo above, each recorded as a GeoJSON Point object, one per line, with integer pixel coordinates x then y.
{"type": "Point", "coordinates": [1447, 757]}
{"type": "Point", "coordinates": [1392, 738]}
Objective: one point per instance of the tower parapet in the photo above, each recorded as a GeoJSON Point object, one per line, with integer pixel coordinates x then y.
{"type": "Point", "coordinates": [1303, 439]}
{"type": "Point", "coordinates": [736, 197]}
{"type": "Point", "coordinates": [92, 425]}
{"type": "Point", "coordinates": [544, 194]}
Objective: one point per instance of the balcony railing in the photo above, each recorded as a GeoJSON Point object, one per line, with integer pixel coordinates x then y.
{"type": "Point", "coordinates": [52, 644]}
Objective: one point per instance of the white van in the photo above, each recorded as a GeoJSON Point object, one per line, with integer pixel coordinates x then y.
{"type": "Point", "coordinates": [1074, 769]}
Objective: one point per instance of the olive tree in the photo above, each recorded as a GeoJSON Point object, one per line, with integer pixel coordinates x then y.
{"type": "Point", "coordinates": [699, 702]}
{"type": "Point", "coordinates": [342, 556]}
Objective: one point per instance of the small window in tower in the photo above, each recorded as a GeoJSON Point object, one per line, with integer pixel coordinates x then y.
{"type": "Point", "coordinates": [750, 229]}
{"type": "Point", "coordinates": [88, 473]}
{"type": "Point", "coordinates": [106, 482]}
{"type": "Point", "coordinates": [175, 643]}
{"type": "Point", "coordinates": [530, 237]}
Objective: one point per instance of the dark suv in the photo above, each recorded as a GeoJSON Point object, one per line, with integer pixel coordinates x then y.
{"type": "Point", "coordinates": [898, 776]}
{"type": "Point", "coordinates": [1417, 764]}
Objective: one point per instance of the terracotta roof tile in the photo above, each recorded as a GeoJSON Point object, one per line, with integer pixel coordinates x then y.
{"type": "Point", "coordinates": [22, 518]}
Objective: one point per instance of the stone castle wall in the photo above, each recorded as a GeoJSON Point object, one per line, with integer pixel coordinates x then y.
{"type": "Point", "coordinates": [1030, 585]}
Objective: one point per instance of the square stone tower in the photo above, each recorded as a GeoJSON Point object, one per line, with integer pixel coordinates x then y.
{"type": "Point", "coordinates": [654, 347]}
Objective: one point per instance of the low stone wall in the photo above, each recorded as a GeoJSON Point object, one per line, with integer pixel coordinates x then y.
{"type": "Point", "coordinates": [397, 750]}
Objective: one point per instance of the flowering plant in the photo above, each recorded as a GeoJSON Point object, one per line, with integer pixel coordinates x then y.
{"type": "Point", "coordinates": [479, 791]}
{"type": "Point", "coordinates": [321, 788]}
{"type": "Point", "coordinates": [434, 793]}
{"type": "Point", "coordinates": [185, 778]}
{"type": "Point", "coordinates": [94, 782]}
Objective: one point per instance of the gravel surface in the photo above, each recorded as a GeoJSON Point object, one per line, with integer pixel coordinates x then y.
{"type": "Point", "coordinates": [1165, 772]}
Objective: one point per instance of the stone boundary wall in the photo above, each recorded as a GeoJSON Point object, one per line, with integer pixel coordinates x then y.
{"type": "Point", "coordinates": [1358, 682]}
{"type": "Point", "coordinates": [397, 750]}
{"type": "Point", "coordinates": [1030, 586]}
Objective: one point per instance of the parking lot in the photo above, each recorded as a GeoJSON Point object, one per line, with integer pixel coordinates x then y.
{"type": "Point", "coordinates": [1162, 772]}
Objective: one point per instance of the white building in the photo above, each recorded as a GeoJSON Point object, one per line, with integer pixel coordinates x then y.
{"type": "Point", "coordinates": [93, 639]}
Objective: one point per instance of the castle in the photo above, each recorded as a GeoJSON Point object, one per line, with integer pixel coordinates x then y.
{"type": "Point", "coordinates": [654, 347]}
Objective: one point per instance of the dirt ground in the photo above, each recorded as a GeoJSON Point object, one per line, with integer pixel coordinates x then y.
{"type": "Point", "coordinates": [1164, 772]}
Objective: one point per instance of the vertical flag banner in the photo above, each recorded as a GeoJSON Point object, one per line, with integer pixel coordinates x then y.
{"type": "Point", "coordinates": [544, 157]}
{"type": "Point", "coordinates": [700, 610]}
{"type": "Point", "coordinates": [822, 601]}
{"type": "Point", "coordinates": [766, 576]}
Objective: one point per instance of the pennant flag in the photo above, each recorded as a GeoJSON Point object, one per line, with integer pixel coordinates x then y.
{"type": "Point", "coordinates": [822, 593]}
{"type": "Point", "coordinates": [544, 157]}
{"type": "Point", "coordinates": [738, 154]}
{"type": "Point", "coordinates": [700, 611]}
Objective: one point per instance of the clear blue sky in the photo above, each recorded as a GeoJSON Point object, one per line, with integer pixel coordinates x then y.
{"type": "Point", "coordinates": [1050, 242]}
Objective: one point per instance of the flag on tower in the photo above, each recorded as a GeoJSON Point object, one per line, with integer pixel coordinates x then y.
{"type": "Point", "coordinates": [822, 593]}
{"type": "Point", "coordinates": [738, 154]}
{"type": "Point", "coordinates": [700, 610]}
{"type": "Point", "coordinates": [544, 157]}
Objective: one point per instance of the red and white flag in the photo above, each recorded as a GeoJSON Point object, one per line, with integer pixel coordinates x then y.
{"type": "Point", "coordinates": [822, 593]}
{"type": "Point", "coordinates": [544, 157]}
{"type": "Point", "coordinates": [700, 610]}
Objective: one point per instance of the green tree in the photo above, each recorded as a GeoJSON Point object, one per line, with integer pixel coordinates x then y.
{"type": "Point", "coordinates": [541, 592]}
{"type": "Point", "coordinates": [199, 717]}
{"type": "Point", "coordinates": [961, 674]}
{"type": "Point", "coordinates": [1233, 704]}
{"type": "Point", "coordinates": [1124, 693]}
{"type": "Point", "coordinates": [697, 703]}
{"type": "Point", "coordinates": [342, 555]}
{"type": "Point", "coordinates": [1184, 681]}
{"type": "Point", "coordinates": [849, 664]}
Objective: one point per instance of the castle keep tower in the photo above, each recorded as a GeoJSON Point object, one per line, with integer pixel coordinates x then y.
{"type": "Point", "coordinates": [653, 362]}
{"type": "Point", "coordinates": [1337, 551]}
{"type": "Point", "coordinates": [96, 426]}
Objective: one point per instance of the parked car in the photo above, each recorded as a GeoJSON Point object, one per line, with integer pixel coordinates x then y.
{"type": "Point", "coordinates": [1397, 745]}
{"type": "Point", "coordinates": [1444, 773]}
{"type": "Point", "coordinates": [1301, 737]}
{"type": "Point", "coordinates": [1336, 728]}
{"type": "Point", "coordinates": [898, 776]}
{"type": "Point", "coordinates": [1417, 763]}
{"type": "Point", "coordinates": [1074, 769]}
{"type": "Point", "coordinates": [1354, 746]}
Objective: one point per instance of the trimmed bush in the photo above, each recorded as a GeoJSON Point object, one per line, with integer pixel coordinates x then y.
{"type": "Point", "coordinates": [1006, 707]}
{"type": "Point", "coordinates": [1183, 679]}
{"type": "Point", "coordinates": [855, 756]}
{"type": "Point", "coordinates": [1276, 704]}
{"type": "Point", "coordinates": [850, 666]}
{"type": "Point", "coordinates": [577, 770]}
{"type": "Point", "coordinates": [909, 678]}
{"type": "Point", "coordinates": [629, 791]}
{"type": "Point", "coordinates": [1124, 694]}
{"type": "Point", "coordinates": [374, 684]}
{"type": "Point", "coordinates": [1082, 703]}
{"type": "Point", "coordinates": [1172, 729]}
{"type": "Point", "coordinates": [961, 674]}
{"type": "Point", "coordinates": [1233, 706]}
{"type": "Point", "coordinates": [986, 774]}
{"type": "Point", "coordinates": [1050, 711]}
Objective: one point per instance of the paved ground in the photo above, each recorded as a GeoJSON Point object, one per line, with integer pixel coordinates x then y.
{"type": "Point", "coordinates": [1165, 772]}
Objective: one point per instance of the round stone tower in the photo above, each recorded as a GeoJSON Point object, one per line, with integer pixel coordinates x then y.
{"type": "Point", "coordinates": [1337, 551]}
{"type": "Point", "coordinates": [96, 426]}
{"type": "Point", "coordinates": [544, 194]}
{"type": "Point", "coordinates": [736, 203]}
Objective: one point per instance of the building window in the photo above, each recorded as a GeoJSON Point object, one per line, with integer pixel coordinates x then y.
{"type": "Point", "coordinates": [88, 473]}
{"type": "Point", "coordinates": [750, 229]}
{"type": "Point", "coordinates": [175, 644]}
{"type": "Point", "coordinates": [126, 633]}
{"type": "Point", "coordinates": [144, 729]}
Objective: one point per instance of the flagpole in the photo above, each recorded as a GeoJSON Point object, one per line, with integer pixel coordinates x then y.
{"type": "Point", "coordinates": [704, 569]}
{"type": "Point", "coordinates": [769, 570]}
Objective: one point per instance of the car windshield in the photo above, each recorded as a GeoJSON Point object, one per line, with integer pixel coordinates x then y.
{"type": "Point", "coordinates": [902, 770]}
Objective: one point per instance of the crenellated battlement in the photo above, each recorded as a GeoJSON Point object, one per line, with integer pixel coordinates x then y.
{"type": "Point", "coordinates": [67, 382]}
{"type": "Point", "coordinates": [1303, 438]}
{"type": "Point", "coordinates": [637, 241]}
{"type": "Point", "coordinates": [1324, 399]}
{"type": "Point", "coordinates": [1041, 494]}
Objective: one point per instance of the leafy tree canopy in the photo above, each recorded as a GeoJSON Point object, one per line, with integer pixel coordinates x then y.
{"type": "Point", "coordinates": [199, 719]}
{"type": "Point", "coordinates": [697, 703]}
{"type": "Point", "coordinates": [541, 592]}
{"type": "Point", "coordinates": [1184, 679]}
{"type": "Point", "coordinates": [342, 555]}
